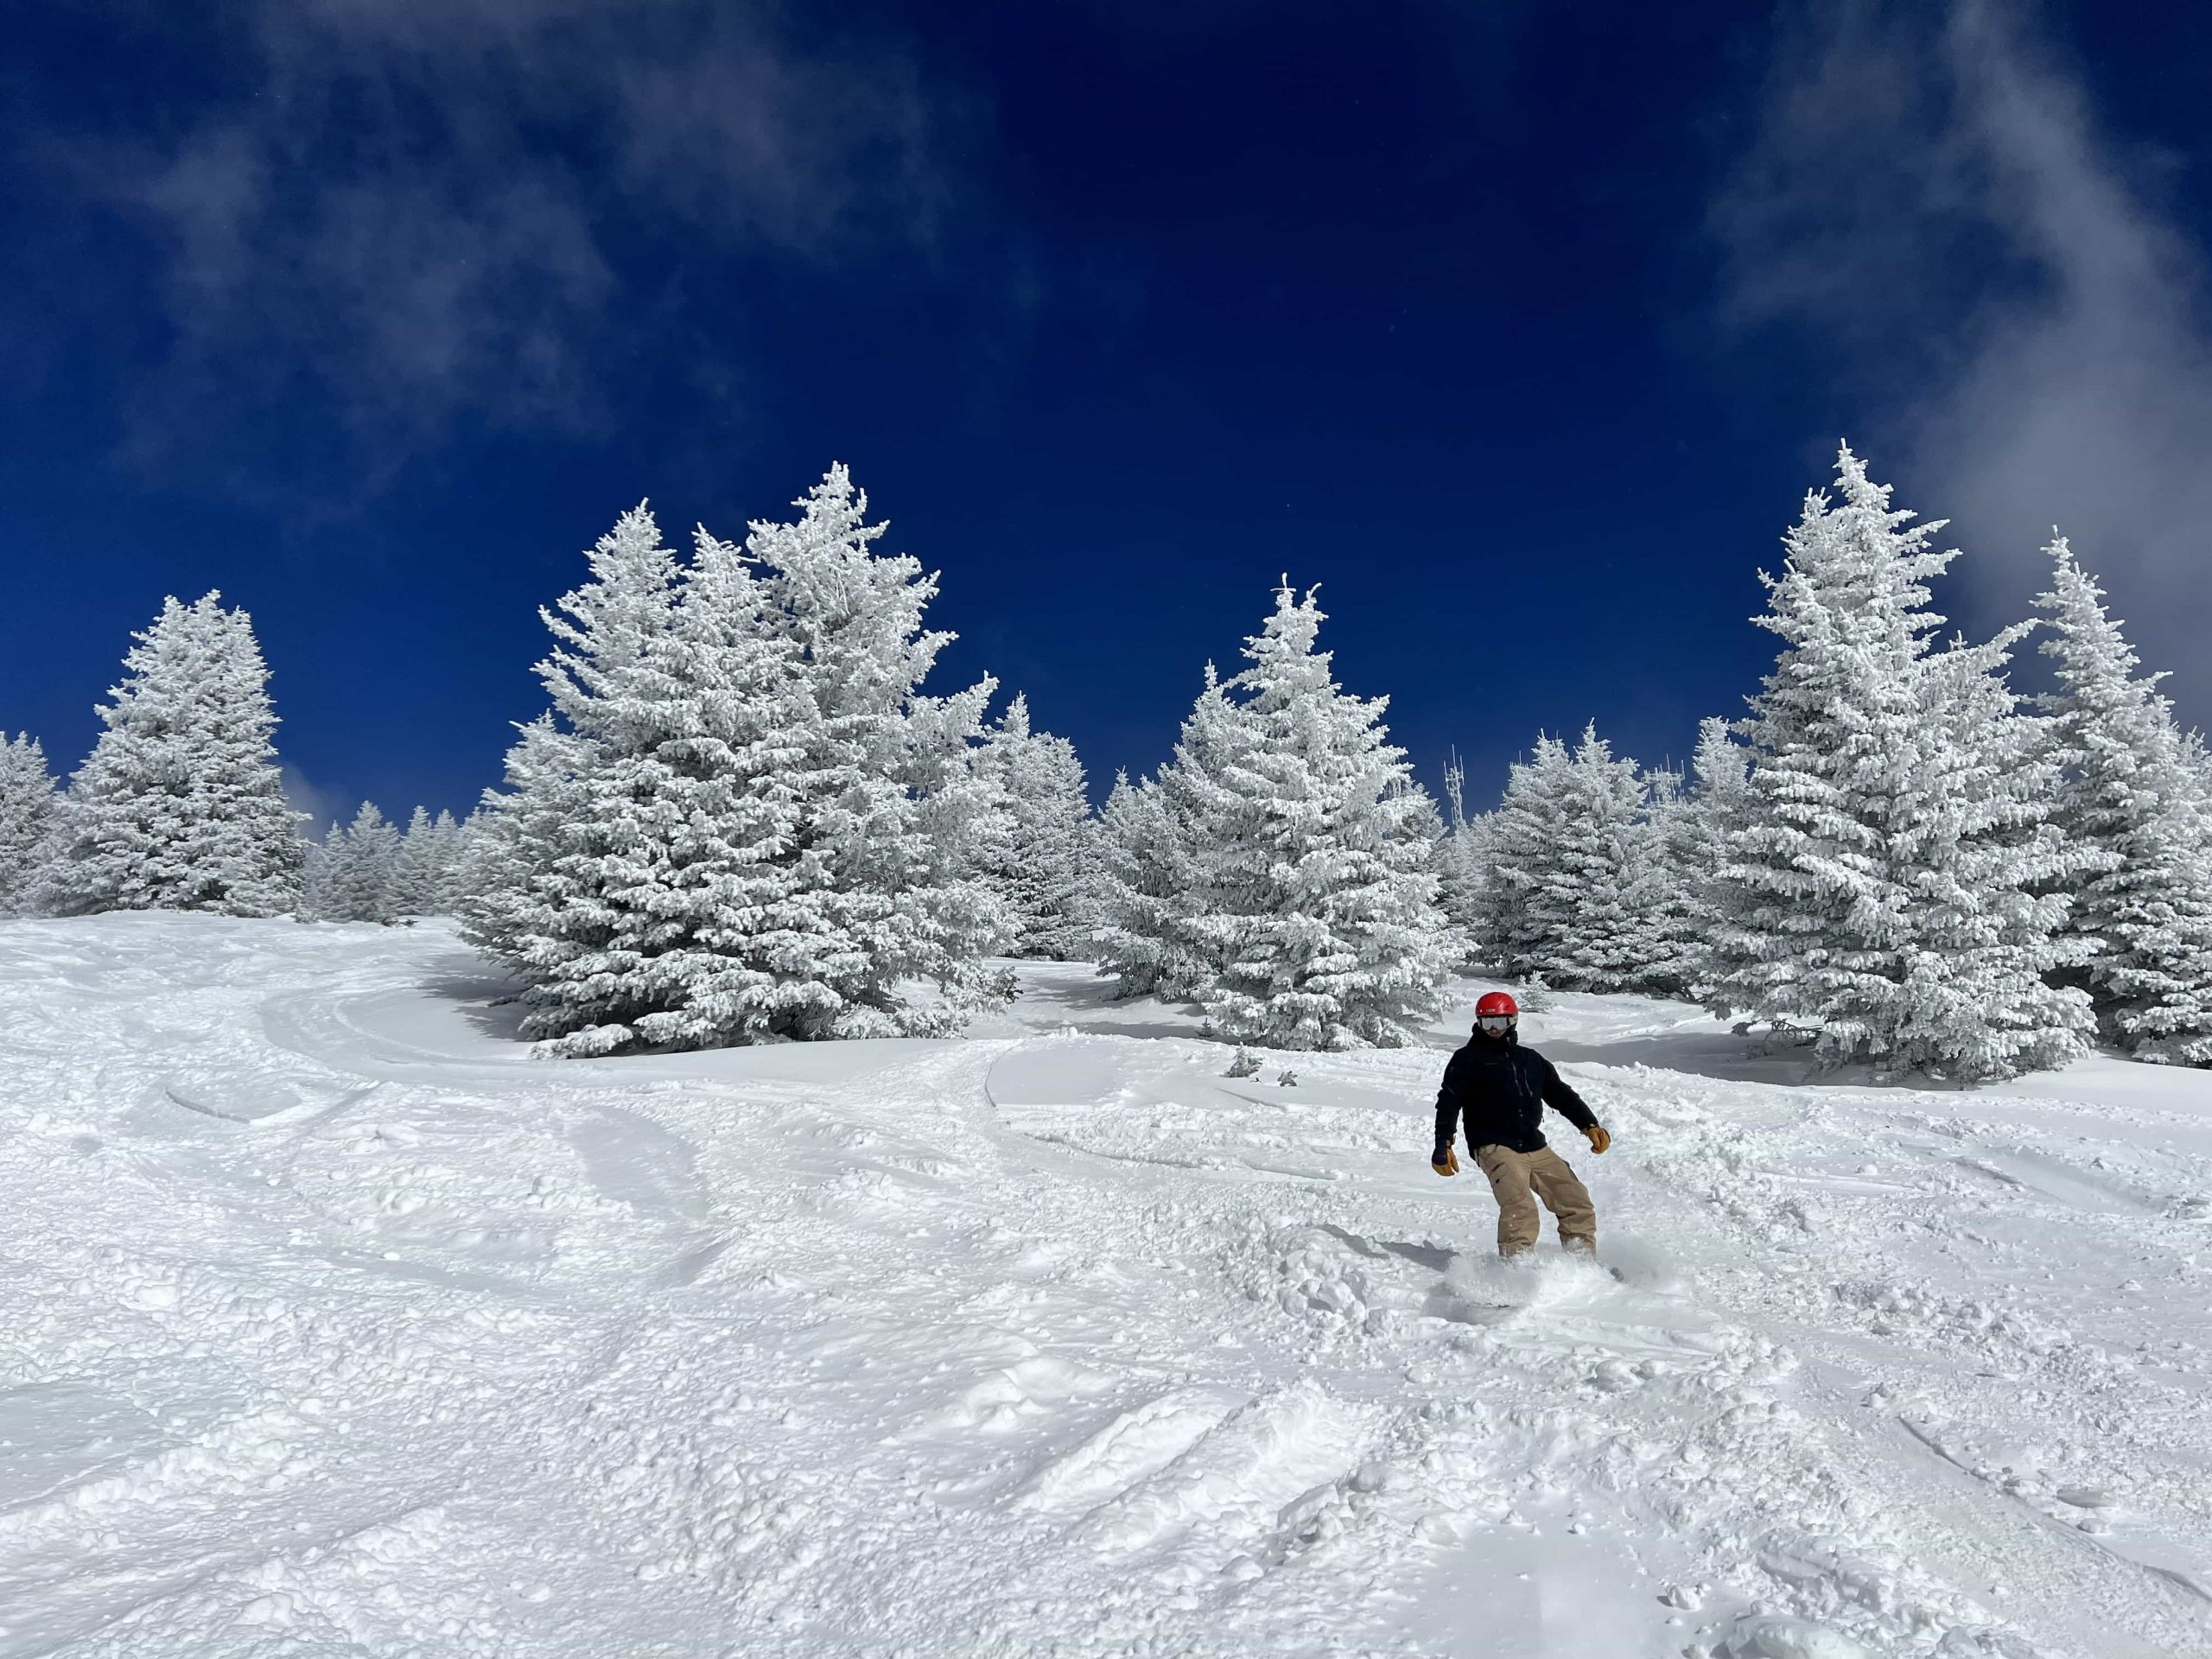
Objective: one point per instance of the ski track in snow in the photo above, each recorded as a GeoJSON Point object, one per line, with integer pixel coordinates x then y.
{"type": "Point", "coordinates": [332, 1324]}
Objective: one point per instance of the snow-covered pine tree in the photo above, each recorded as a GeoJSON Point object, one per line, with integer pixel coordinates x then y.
{"type": "Point", "coordinates": [1695, 827]}
{"type": "Point", "coordinates": [515, 831]}
{"type": "Point", "coordinates": [354, 870]}
{"type": "Point", "coordinates": [180, 804]}
{"type": "Point", "coordinates": [1521, 929]}
{"type": "Point", "coordinates": [749, 822]}
{"type": "Point", "coordinates": [896, 806]}
{"type": "Point", "coordinates": [416, 869]}
{"type": "Point", "coordinates": [1719, 799]}
{"type": "Point", "coordinates": [580, 835]}
{"type": "Point", "coordinates": [323, 860]}
{"type": "Point", "coordinates": [1890, 886]}
{"type": "Point", "coordinates": [1148, 902]}
{"type": "Point", "coordinates": [451, 842]}
{"type": "Point", "coordinates": [1315, 868]}
{"type": "Point", "coordinates": [716, 918]}
{"type": "Point", "coordinates": [2144, 916]}
{"type": "Point", "coordinates": [1603, 879]}
{"type": "Point", "coordinates": [28, 804]}
{"type": "Point", "coordinates": [2196, 763]}
{"type": "Point", "coordinates": [1580, 890]}
{"type": "Point", "coordinates": [1138, 894]}
{"type": "Point", "coordinates": [1664, 885]}
{"type": "Point", "coordinates": [1037, 866]}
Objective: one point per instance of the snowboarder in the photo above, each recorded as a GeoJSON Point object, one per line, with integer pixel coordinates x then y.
{"type": "Point", "coordinates": [1499, 1089]}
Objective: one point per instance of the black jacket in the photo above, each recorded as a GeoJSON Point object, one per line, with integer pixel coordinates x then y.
{"type": "Point", "coordinates": [1499, 1089]}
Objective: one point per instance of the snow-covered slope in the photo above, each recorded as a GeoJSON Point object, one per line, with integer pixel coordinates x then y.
{"type": "Point", "coordinates": [331, 1325]}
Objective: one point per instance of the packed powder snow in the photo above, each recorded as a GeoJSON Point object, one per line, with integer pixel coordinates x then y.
{"type": "Point", "coordinates": [334, 1324]}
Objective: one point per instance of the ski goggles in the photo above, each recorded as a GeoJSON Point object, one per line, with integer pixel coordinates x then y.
{"type": "Point", "coordinates": [1496, 1022]}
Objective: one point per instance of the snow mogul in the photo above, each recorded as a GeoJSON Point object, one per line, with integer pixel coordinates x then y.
{"type": "Point", "coordinates": [1499, 1091]}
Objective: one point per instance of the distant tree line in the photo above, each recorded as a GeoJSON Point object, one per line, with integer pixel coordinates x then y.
{"type": "Point", "coordinates": [742, 818]}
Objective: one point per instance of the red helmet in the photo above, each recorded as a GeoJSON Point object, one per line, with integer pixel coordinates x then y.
{"type": "Point", "coordinates": [1496, 1002]}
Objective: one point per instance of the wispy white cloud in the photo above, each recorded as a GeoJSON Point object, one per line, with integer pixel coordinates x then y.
{"type": "Point", "coordinates": [2001, 295]}
{"type": "Point", "coordinates": [323, 806]}
{"type": "Point", "coordinates": [407, 214]}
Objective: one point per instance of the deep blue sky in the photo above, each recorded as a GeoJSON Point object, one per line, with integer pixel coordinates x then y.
{"type": "Point", "coordinates": [1521, 329]}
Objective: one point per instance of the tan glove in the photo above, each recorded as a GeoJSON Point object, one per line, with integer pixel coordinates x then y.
{"type": "Point", "coordinates": [1598, 1139]}
{"type": "Point", "coordinates": [1447, 1164]}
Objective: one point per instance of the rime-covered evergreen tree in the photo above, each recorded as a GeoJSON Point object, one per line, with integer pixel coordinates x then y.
{"type": "Point", "coordinates": [514, 834]}
{"type": "Point", "coordinates": [1139, 895]}
{"type": "Point", "coordinates": [574, 828]}
{"type": "Point", "coordinates": [1695, 827]}
{"type": "Point", "coordinates": [322, 859]}
{"type": "Point", "coordinates": [180, 805]}
{"type": "Point", "coordinates": [1317, 887]}
{"type": "Point", "coordinates": [747, 821]}
{"type": "Point", "coordinates": [445, 889]}
{"type": "Point", "coordinates": [2142, 918]}
{"type": "Point", "coordinates": [714, 917]}
{"type": "Point", "coordinates": [423, 871]}
{"type": "Point", "coordinates": [1037, 865]}
{"type": "Point", "coordinates": [28, 804]}
{"type": "Point", "coordinates": [896, 802]}
{"type": "Point", "coordinates": [1605, 880]}
{"type": "Point", "coordinates": [351, 877]}
{"type": "Point", "coordinates": [1718, 800]}
{"type": "Point", "coordinates": [1522, 927]}
{"type": "Point", "coordinates": [1893, 888]}
{"type": "Point", "coordinates": [1151, 836]}
{"type": "Point", "coordinates": [1581, 892]}
{"type": "Point", "coordinates": [1663, 885]}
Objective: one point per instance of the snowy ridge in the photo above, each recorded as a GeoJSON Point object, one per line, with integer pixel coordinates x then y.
{"type": "Point", "coordinates": [335, 1325]}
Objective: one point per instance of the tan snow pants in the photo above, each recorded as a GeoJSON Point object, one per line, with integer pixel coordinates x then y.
{"type": "Point", "coordinates": [1518, 1179]}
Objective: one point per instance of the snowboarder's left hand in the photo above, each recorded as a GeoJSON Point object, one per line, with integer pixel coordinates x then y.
{"type": "Point", "coordinates": [1445, 1161]}
{"type": "Point", "coordinates": [1598, 1139]}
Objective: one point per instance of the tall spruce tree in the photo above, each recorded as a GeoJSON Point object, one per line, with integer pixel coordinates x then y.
{"type": "Point", "coordinates": [2144, 917]}
{"type": "Point", "coordinates": [1522, 928]}
{"type": "Point", "coordinates": [1139, 895]}
{"type": "Point", "coordinates": [1696, 828]}
{"type": "Point", "coordinates": [1319, 894]}
{"type": "Point", "coordinates": [1037, 865]}
{"type": "Point", "coordinates": [1580, 892]}
{"type": "Point", "coordinates": [513, 835]}
{"type": "Point", "coordinates": [747, 821]}
{"type": "Point", "coordinates": [899, 805]}
{"type": "Point", "coordinates": [28, 803]}
{"type": "Point", "coordinates": [1892, 886]}
{"type": "Point", "coordinates": [1605, 878]}
{"type": "Point", "coordinates": [713, 914]}
{"type": "Point", "coordinates": [1147, 902]}
{"type": "Point", "coordinates": [180, 805]}
{"type": "Point", "coordinates": [1662, 881]}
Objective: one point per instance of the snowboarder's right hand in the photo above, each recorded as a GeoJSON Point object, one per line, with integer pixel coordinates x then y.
{"type": "Point", "coordinates": [1598, 1139]}
{"type": "Point", "coordinates": [1445, 1161]}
